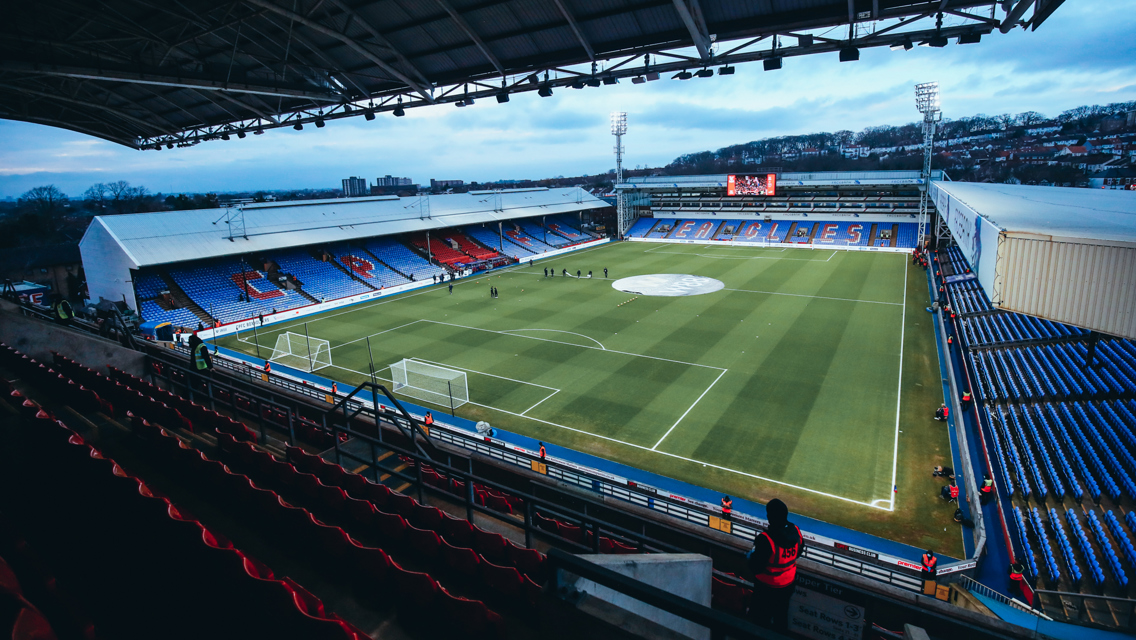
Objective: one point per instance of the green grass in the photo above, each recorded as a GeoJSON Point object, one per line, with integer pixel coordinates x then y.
{"type": "Point", "coordinates": [785, 383]}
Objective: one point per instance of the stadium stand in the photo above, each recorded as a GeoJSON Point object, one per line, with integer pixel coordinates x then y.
{"type": "Point", "coordinates": [533, 243]}
{"type": "Point", "coordinates": [321, 280]}
{"type": "Point", "coordinates": [397, 256]}
{"type": "Point", "coordinates": [565, 226]}
{"type": "Point", "coordinates": [798, 232]}
{"type": "Point", "coordinates": [218, 287]}
{"type": "Point", "coordinates": [364, 266]}
{"type": "Point", "coordinates": [471, 248]}
{"type": "Point", "coordinates": [509, 247]}
{"type": "Point", "coordinates": [1057, 428]}
{"type": "Point", "coordinates": [441, 251]}
{"type": "Point", "coordinates": [534, 229]}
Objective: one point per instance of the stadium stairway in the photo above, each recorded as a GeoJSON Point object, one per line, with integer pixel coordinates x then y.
{"type": "Point", "coordinates": [272, 273]}
{"type": "Point", "coordinates": [183, 300]}
{"type": "Point", "coordinates": [379, 260]}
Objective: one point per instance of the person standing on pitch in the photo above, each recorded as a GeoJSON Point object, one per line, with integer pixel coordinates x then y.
{"type": "Point", "coordinates": [605, 272]}
{"type": "Point", "coordinates": [546, 272]}
{"type": "Point", "coordinates": [451, 288]}
{"type": "Point", "coordinates": [773, 563]}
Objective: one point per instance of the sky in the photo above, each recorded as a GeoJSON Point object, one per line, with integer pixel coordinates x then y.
{"type": "Point", "coordinates": [1084, 54]}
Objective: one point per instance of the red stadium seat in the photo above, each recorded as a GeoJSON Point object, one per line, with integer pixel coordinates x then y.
{"type": "Point", "coordinates": [425, 517]}
{"type": "Point", "coordinates": [379, 495]}
{"type": "Point", "coordinates": [462, 560]}
{"type": "Point", "coordinates": [355, 485]}
{"type": "Point", "coordinates": [729, 597]}
{"type": "Point", "coordinates": [529, 561]}
{"type": "Point", "coordinates": [31, 625]}
{"type": "Point", "coordinates": [362, 512]}
{"type": "Point", "coordinates": [370, 564]}
{"type": "Point", "coordinates": [330, 540]}
{"type": "Point", "coordinates": [391, 526]}
{"type": "Point", "coordinates": [9, 583]}
{"type": "Point", "coordinates": [415, 589]}
{"type": "Point", "coordinates": [468, 616]}
{"type": "Point", "coordinates": [507, 582]}
{"type": "Point", "coordinates": [401, 504]}
{"type": "Point", "coordinates": [457, 531]}
{"type": "Point", "coordinates": [425, 542]}
{"type": "Point", "coordinates": [490, 545]}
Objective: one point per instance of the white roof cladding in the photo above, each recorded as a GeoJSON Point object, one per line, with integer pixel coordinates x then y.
{"type": "Point", "coordinates": [1067, 255]}
{"type": "Point", "coordinates": [178, 236]}
{"type": "Point", "coordinates": [1052, 213]}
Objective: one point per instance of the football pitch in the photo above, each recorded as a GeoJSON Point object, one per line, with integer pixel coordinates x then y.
{"type": "Point", "coordinates": [796, 379]}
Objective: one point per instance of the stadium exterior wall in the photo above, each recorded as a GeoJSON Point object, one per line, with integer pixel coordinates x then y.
{"type": "Point", "coordinates": [111, 278]}
{"type": "Point", "coordinates": [734, 243]}
{"type": "Point", "coordinates": [302, 312]}
{"type": "Point", "coordinates": [1087, 285]}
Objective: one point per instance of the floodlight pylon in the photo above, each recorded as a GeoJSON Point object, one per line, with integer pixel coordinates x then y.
{"type": "Point", "coordinates": [619, 129]}
{"type": "Point", "coordinates": [927, 102]}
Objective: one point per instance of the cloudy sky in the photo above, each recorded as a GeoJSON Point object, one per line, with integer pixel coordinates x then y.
{"type": "Point", "coordinates": [1084, 54]}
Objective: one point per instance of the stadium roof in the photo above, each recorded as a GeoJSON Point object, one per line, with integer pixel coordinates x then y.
{"type": "Point", "coordinates": [1052, 213]}
{"type": "Point", "coordinates": [177, 236]}
{"type": "Point", "coordinates": [146, 73]}
{"type": "Point", "coordinates": [1067, 255]}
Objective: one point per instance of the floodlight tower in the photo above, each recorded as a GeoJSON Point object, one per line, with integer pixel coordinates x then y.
{"type": "Point", "coordinates": [618, 129]}
{"type": "Point", "coordinates": [927, 101]}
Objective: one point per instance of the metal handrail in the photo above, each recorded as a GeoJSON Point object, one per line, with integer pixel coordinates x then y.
{"type": "Point", "coordinates": [973, 585]}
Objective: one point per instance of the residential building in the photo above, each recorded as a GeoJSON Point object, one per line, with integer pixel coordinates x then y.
{"type": "Point", "coordinates": [355, 187]}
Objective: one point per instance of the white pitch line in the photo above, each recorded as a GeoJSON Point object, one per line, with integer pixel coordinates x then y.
{"type": "Point", "coordinates": [830, 257]}
{"type": "Point", "coordinates": [899, 391]}
{"type": "Point", "coordinates": [572, 344]}
{"type": "Point", "coordinates": [559, 331]}
{"type": "Point", "coordinates": [688, 410]}
{"type": "Point", "coordinates": [542, 400]}
{"type": "Point", "coordinates": [377, 334]}
{"type": "Point", "coordinates": [805, 295]}
{"type": "Point", "coordinates": [684, 458]}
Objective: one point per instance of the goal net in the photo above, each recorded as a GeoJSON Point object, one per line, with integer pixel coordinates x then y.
{"type": "Point", "coordinates": [301, 352]}
{"type": "Point", "coordinates": [429, 382]}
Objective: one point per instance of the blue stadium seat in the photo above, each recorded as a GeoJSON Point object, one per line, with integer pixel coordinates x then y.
{"type": "Point", "coordinates": [1065, 547]}
{"type": "Point", "coordinates": [321, 280]}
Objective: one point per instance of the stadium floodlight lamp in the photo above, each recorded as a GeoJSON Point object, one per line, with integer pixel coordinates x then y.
{"type": "Point", "coordinates": [533, 79]}
{"type": "Point", "coordinates": [577, 84]}
{"type": "Point", "coordinates": [849, 54]}
{"type": "Point", "coordinates": [502, 97]}
{"type": "Point", "coordinates": [169, 145]}
{"type": "Point", "coordinates": [618, 123]}
{"type": "Point", "coordinates": [319, 123]}
{"type": "Point", "coordinates": [225, 137]}
{"type": "Point", "coordinates": [906, 45]}
{"type": "Point", "coordinates": [241, 134]}
{"type": "Point", "coordinates": [682, 75]}
{"type": "Point", "coordinates": [772, 64]}
{"type": "Point", "coordinates": [258, 132]}
{"type": "Point", "coordinates": [970, 38]}
{"type": "Point", "coordinates": [398, 111]}
{"type": "Point", "coordinates": [938, 41]}
{"type": "Point", "coordinates": [726, 71]}
{"type": "Point", "coordinates": [927, 98]}
{"type": "Point", "coordinates": [653, 75]}
{"type": "Point", "coordinates": [594, 82]}
{"type": "Point", "coordinates": [610, 80]}
{"type": "Point", "coordinates": [369, 115]}
{"type": "Point", "coordinates": [459, 103]}
{"type": "Point", "coordinates": [468, 101]}
{"type": "Point", "coordinates": [545, 91]}
{"type": "Point", "coordinates": [805, 41]}
{"type": "Point", "coordinates": [638, 80]}
{"type": "Point", "coordinates": [298, 127]}
{"type": "Point", "coordinates": [705, 73]}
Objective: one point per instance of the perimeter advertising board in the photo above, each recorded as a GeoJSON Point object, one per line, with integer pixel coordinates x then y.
{"type": "Point", "coordinates": [976, 236]}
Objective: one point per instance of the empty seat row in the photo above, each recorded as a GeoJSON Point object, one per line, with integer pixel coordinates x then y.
{"type": "Point", "coordinates": [363, 265]}
{"type": "Point", "coordinates": [319, 279]}
{"type": "Point", "coordinates": [1121, 537]}
{"type": "Point", "coordinates": [1051, 567]}
{"type": "Point", "coordinates": [1106, 548]}
{"type": "Point", "coordinates": [402, 258]}
{"type": "Point", "coordinates": [503, 244]}
{"type": "Point", "coordinates": [1065, 547]}
{"type": "Point", "coordinates": [1023, 541]}
{"type": "Point", "coordinates": [228, 290]}
{"type": "Point", "coordinates": [1085, 547]}
{"type": "Point", "coordinates": [166, 561]}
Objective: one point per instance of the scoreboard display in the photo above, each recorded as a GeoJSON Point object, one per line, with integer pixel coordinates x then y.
{"type": "Point", "coordinates": [751, 185]}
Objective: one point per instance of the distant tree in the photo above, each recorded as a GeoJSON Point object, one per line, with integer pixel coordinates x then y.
{"type": "Point", "coordinates": [95, 197]}
{"type": "Point", "coordinates": [41, 208]}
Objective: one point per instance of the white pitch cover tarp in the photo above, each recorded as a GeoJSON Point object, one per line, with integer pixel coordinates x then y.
{"type": "Point", "coordinates": [977, 238]}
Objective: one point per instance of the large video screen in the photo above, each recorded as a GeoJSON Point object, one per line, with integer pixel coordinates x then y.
{"type": "Point", "coordinates": [758, 185]}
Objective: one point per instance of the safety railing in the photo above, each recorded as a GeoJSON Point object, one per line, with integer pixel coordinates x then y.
{"type": "Point", "coordinates": [1078, 607]}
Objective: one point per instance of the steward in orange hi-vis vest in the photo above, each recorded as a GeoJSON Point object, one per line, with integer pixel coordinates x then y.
{"type": "Point", "coordinates": [773, 564]}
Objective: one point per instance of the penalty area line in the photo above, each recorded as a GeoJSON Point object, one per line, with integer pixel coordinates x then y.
{"type": "Point", "coordinates": [707, 390]}
{"type": "Point", "coordinates": [684, 458]}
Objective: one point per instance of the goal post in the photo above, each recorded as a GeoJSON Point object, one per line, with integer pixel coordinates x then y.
{"type": "Point", "coordinates": [301, 352]}
{"type": "Point", "coordinates": [429, 382]}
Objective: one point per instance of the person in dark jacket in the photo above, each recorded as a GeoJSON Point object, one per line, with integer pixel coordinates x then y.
{"type": "Point", "coordinates": [773, 565]}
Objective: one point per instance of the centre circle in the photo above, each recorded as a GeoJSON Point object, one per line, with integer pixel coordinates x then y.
{"type": "Point", "coordinates": [668, 285]}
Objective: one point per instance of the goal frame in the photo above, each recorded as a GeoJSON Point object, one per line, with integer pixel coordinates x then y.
{"type": "Point", "coordinates": [302, 352]}
{"type": "Point", "coordinates": [409, 375]}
